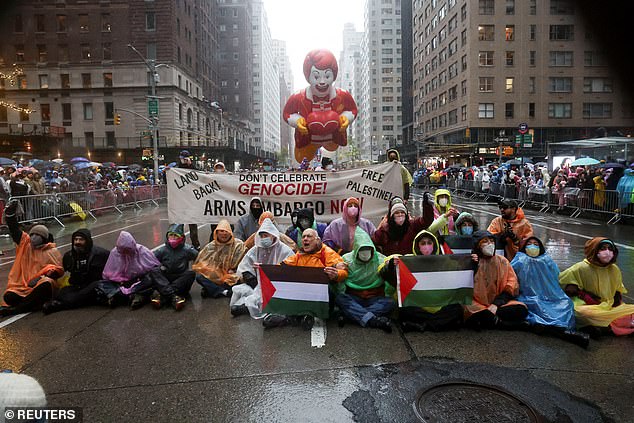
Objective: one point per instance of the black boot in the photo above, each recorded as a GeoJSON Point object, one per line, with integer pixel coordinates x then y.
{"type": "Point", "coordinates": [382, 323]}
{"type": "Point", "coordinates": [577, 338]}
{"type": "Point", "coordinates": [52, 307]}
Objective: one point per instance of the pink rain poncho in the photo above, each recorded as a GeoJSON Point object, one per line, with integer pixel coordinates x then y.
{"type": "Point", "coordinates": [128, 260]}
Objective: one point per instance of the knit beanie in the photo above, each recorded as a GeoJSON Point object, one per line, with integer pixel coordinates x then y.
{"type": "Point", "coordinates": [398, 207]}
{"type": "Point", "coordinates": [40, 230]}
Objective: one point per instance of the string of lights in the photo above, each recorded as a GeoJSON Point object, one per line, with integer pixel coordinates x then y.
{"type": "Point", "coordinates": [13, 76]}
{"type": "Point", "coordinates": [16, 108]}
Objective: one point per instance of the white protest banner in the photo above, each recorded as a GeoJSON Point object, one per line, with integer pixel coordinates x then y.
{"type": "Point", "coordinates": [200, 197]}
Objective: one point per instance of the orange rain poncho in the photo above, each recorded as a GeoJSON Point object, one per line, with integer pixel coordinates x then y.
{"type": "Point", "coordinates": [520, 226]}
{"type": "Point", "coordinates": [325, 257]}
{"type": "Point", "coordinates": [216, 259]}
{"type": "Point", "coordinates": [31, 263]}
{"type": "Point", "coordinates": [602, 281]}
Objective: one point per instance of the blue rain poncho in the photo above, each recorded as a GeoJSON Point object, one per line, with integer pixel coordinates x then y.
{"type": "Point", "coordinates": [539, 289]}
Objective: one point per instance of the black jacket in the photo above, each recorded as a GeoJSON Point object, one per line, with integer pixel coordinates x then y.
{"type": "Point", "coordinates": [96, 261]}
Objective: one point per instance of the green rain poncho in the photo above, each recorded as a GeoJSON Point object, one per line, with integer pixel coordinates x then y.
{"type": "Point", "coordinates": [363, 276]}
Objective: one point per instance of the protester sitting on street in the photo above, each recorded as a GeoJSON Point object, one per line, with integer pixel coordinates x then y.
{"type": "Point", "coordinates": [248, 223]}
{"type": "Point", "coordinates": [466, 224]}
{"type": "Point", "coordinates": [268, 249]}
{"type": "Point", "coordinates": [217, 262]}
{"type": "Point", "coordinates": [313, 253]}
{"type": "Point", "coordinates": [306, 220]}
{"type": "Point", "coordinates": [394, 156]}
{"type": "Point", "coordinates": [550, 311]}
{"type": "Point", "coordinates": [170, 283]}
{"type": "Point", "coordinates": [37, 265]}
{"type": "Point", "coordinates": [444, 214]}
{"type": "Point", "coordinates": [363, 296]}
{"type": "Point", "coordinates": [290, 229]}
{"type": "Point", "coordinates": [596, 288]}
{"type": "Point", "coordinates": [85, 263]}
{"type": "Point", "coordinates": [495, 288]}
{"type": "Point", "coordinates": [340, 233]}
{"type": "Point", "coordinates": [511, 227]}
{"type": "Point", "coordinates": [127, 265]}
{"type": "Point", "coordinates": [420, 319]}
{"type": "Point", "coordinates": [396, 235]}
{"type": "Point", "coordinates": [250, 242]}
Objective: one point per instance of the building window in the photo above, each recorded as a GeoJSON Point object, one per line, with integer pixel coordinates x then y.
{"type": "Point", "coordinates": [560, 110]}
{"type": "Point", "coordinates": [531, 110]}
{"type": "Point", "coordinates": [85, 52]}
{"type": "Point", "coordinates": [453, 93]}
{"type": "Point", "coordinates": [19, 52]}
{"type": "Point", "coordinates": [532, 58]}
{"type": "Point", "coordinates": [597, 85]}
{"type": "Point", "coordinates": [532, 7]}
{"type": "Point", "coordinates": [107, 51]}
{"type": "Point", "coordinates": [561, 58]}
{"type": "Point", "coordinates": [42, 54]}
{"type": "Point", "coordinates": [597, 110]}
{"type": "Point", "coordinates": [64, 81]}
{"type": "Point", "coordinates": [107, 80]}
{"type": "Point", "coordinates": [106, 23]}
{"type": "Point", "coordinates": [88, 111]}
{"type": "Point", "coordinates": [594, 58]}
{"type": "Point", "coordinates": [84, 23]}
{"type": "Point", "coordinates": [22, 82]}
{"type": "Point", "coordinates": [43, 82]}
{"type": "Point", "coordinates": [463, 38]}
{"type": "Point", "coordinates": [485, 110]}
{"type": "Point", "coordinates": [560, 85]}
{"type": "Point", "coordinates": [463, 13]}
{"type": "Point", "coordinates": [486, 7]}
{"type": "Point", "coordinates": [509, 32]}
{"type": "Point", "coordinates": [17, 25]}
{"type": "Point", "coordinates": [510, 58]}
{"type": "Point", "coordinates": [561, 32]}
{"type": "Point", "coordinates": [532, 32]}
{"type": "Point", "coordinates": [62, 53]}
{"type": "Point", "coordinates": [531, 85]}
{"type": "Point", "coordinates": [464, 63]}
{"type": "Point", "coordinates": [39, 23]}
{"type": "Point", "coordinates": [510, 7]}
{"type": "Point", "coordinates": [486, 84]}
{"type": "Point", "coordinates": [45, 111]}
{"type": "Point", "coordinates": [509, 110]}
{"type": "Point", "coordinates": [109, 112]}
{"type": "Point", "coordinates": [562, 7]}
{"type": "Point", "coordinates": [485, 58]}
{"type": "Point", "coordinates": [452, 117]}
{"type": "Point", "coordinates": [509, 85]}
{"type": "Point", "coordinates": [463, 113]}
{"type": "Point", "coordinates": [111, 141]}
{"type": "Point", "coordinates": [86, 80]}
{"type": "Point", "coordinates": [486, 32]}
{"type": "Point", "coordinates": [150, 21]}
{"type": "Point", "coordinates": [66, 114]}
{"type": "Point", "coordinates": [150, 49]}
{"type": "Point", "coordinates": [463, 88]}
{"type": "Point", "coordinates": [61, 23]}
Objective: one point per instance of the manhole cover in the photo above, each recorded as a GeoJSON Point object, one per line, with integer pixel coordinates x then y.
{"type": "Point", "coordinates": [470, 402]}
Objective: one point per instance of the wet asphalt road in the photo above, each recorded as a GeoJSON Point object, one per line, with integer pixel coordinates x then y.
{"type": "Point", "coordinates": [203, 365]}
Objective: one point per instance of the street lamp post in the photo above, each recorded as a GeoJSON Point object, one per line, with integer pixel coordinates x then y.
{"type": "Point", "coordinates": [152, 66]}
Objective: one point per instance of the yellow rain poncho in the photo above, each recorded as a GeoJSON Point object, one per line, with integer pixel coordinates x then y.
{"type": "Point", "coordinates": [218, 261]}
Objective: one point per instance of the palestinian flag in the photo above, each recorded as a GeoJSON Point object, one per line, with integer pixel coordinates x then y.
{"type": "Point", "coordinates": [460, 244]}
{"type": "Point", "coordinates": [434, 281]}
{"type": "Point", "coordinates": [294, 290]}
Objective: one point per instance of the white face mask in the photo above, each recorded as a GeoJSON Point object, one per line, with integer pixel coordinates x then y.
{"type": "Point", "coordinates": [443, 202]}
{"type": "Point", "coordinates": [266, 242]}
{"type": "Point", "coordinates": [399, 220]}
{"type": "Point", "coordinates": [488, 250]}
{"type": "Point", "coordinates": [364, 255]}
{"type": "Point", "coordinates": [605, 256]}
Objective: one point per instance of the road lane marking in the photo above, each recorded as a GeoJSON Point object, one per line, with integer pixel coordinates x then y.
{"type": "Point", "coordinates": [13, 319]}
{"type": "Point", "coordinates": [318, 334]}
{"type": "Point", "coordinates": [618, 244]}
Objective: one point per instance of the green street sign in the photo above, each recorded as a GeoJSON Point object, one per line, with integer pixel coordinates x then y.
{"type": "Point", "coordinates": [146, 133]}
{"type": "Point", "coordinates": [153, 107]}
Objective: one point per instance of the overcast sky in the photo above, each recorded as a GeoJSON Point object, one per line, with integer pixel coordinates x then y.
{"type": "Point", "coordinates": [308, 25]}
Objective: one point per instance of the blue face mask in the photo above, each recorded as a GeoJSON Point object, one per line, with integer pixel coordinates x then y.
{"type": "Point", "coordinates": [266, 242]}
{"type": "Point", "coordinates": [467, 230]}
{"type": "Point", "coordinates": [532, 250]}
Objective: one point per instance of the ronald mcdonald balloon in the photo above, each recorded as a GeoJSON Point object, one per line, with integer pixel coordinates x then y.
{"type": "Point", "coordinates": [319, 113]}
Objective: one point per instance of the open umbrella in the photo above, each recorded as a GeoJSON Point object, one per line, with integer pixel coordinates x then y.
{"type": "Point", "coordinates": [541, 164]}
{"type": "Point", "coordinates": [6, 162]}
{"type": "Point", "coordinates": [108, 165]}
{"type": "Point", "coordinates": [173, 164]}
{"type": "Point", "coordinates": [79, 160]}
{"type": "Point", "coordinates": [585, 161]}
{"type": "Point", "coordinates": [134, 167]}
{"type": "Point", "coordinates": [22, 153]}
{"type": "Point", "coordinates": [513, 162]}
{"type": "Point", "coordinates": [44, 165]}
{"type": "Point", "coordinates": [609, 165]}
{"type": "Point", "coordinates": [58, 161]}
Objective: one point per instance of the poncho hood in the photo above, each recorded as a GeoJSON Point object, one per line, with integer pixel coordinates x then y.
{"type": "Point", "coordinates": [542, 249]}
{"type": "Point", "coordinates": [466, 217]}
{"type": "Point", "coordinates": [268, 227]}
{"type": "Point", "coordinates": [362, 275]}
{"type": "Point", "coordinates": [421, 234]}
{"type": "Point", "coordinates": [223, 225]}
{"type": "Point", "coordinates": [128, 260]}
{"type": "Point", "coordinates": [395, 151]}
{"type": "Point", "coordinates": [440, 192]}
{"type": "Point", "coordinates": [306, 214]}
{"type": "Point", "coordinates": [479, 236]}
{"type": "Point", "coordinates": [87, 235]}
{"type": "Point", "coordinates": [591, 249]}
{"type": "Point", "coordinates": [344, 213]}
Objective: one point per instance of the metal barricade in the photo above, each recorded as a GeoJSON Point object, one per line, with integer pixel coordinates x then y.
{"type": "Point", "coordinates": [37, 207]}
{"type": "Point", "coordinates": [159, 192]}
{"type": "Point", "coordinates": [539, 197]}
{"type": "Point", "coordinates": [144, 194]}
{"type": "Point", "coordinates": [76, 203]}
{"type": "Point", "coordinates": [125, 197]}
{"type": "Point", "coordinates": [103, 199]}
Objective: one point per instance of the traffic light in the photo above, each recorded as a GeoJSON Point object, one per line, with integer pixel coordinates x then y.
{"type": "Point", "coordinates": [117, 119]}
